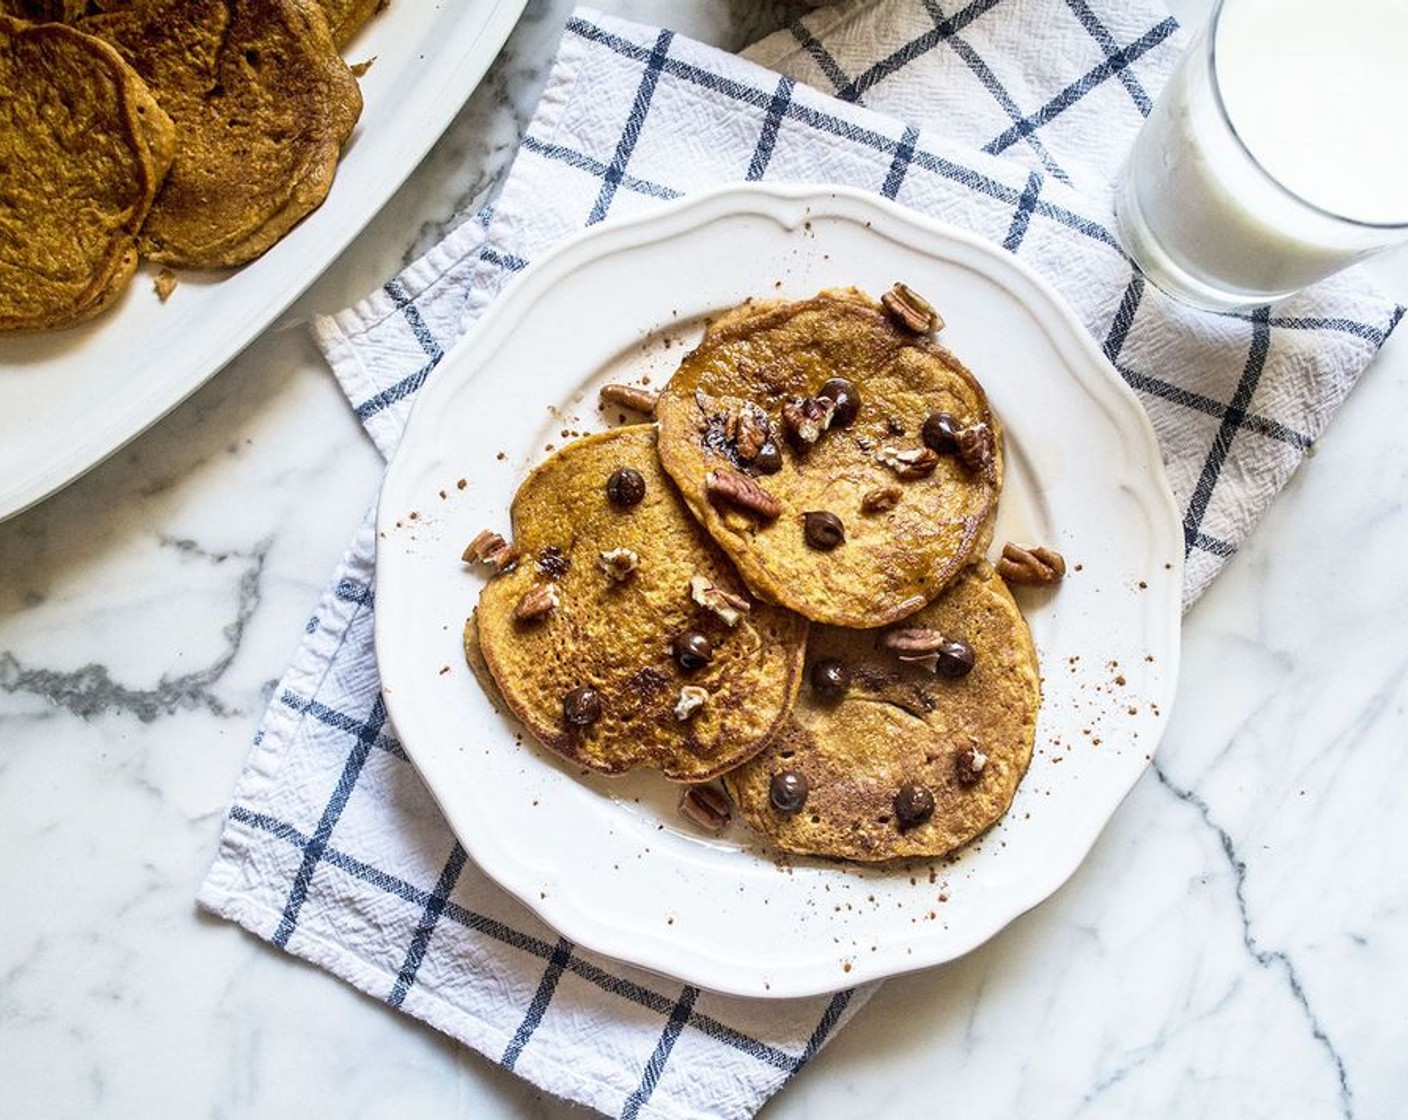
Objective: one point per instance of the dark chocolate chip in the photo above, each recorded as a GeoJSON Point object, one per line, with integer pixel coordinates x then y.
{"type": "Point", "coordinates": [830, 678]}
{"type": "Point", "coordinates": [823, 530]}
{"type": "Point", "coordinates": [625, 487]}
{"type": "Point", "coordinates": [693, 650]}
{"type": "Point", "coordinates": [940, 433]}
{"type": "Point", "coordinates": [846, 398]}
{"type": "Point", "coordinates": [954, 658]}
{"type": "Point", "coordinates": [914, 805]}
{"type": "Point", "coordinates": [582, 706]}
{"type": "Point", "coordinates": [768, 460]}
{"type": "Point", "coordinates": [788, 792]}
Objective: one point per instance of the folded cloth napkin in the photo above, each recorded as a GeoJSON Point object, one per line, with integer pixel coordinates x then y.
{"type": "Point", "coordinates": [1008, 118]}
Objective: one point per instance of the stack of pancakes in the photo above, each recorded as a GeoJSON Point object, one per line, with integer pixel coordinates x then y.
{"type": "Point", "coordinates": [790, 594]}
{"type": "Point", "coordinates": [194, 133]}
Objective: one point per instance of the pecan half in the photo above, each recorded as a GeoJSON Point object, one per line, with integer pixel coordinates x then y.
{"type": "Point", "coordinates": [619, 563]}
{"type": "Point", "coordinates": [880, 499]}
{"type": "Point", "coordinates": [968, 766]}
{"type": "Point", "coordinates": [911, 310]}
{"type": "Point", "coordinates": [692, 698]}
{"type": "Point", "coordinates": [491, 549]}
{"type": "Point", "coordinates": [707, 807]}
{"type": "Point", "coordinates": [712, 597]}
{"type": "Point", "coordinates": [724, 484]}
{"type": "Point", "coordinates": [1033, 565]}
{"type": "Point", "coordinates": [976, 447]}
{"type": "Point", "coordinates": [912, 642]}
{"type": "Point", "coordinates": [630, 396]}
{"type": "Point", "coordinates": [805, 418]}
{"type": "Point", "coordinates": [917, 462]}
{"type": "Point", "coordinates": [539, 600]}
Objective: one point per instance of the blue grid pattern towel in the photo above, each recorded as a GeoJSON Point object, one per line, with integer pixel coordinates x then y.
{"type": "Point", "coordinates": [1005, 116]}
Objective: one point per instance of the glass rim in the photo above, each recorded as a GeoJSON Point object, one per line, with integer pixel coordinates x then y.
{"type": "Point", "coordinates": [1294, 196]}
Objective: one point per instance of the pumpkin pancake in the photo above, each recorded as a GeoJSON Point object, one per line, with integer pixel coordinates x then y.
{"type": "Point", "coordinates": [883, 758]}
{"type": "Point", "coordinates": [85, 149]}
{"type": "Point", "coordinates": [262, 103]}
{"type": "Point", "coordinates": [836, 509]}
{"type": "Point", "coordinates": [345, 17]}
{"type": "Point", "coordinates": [617, 588]}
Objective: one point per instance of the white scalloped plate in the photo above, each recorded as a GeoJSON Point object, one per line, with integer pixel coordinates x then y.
{"type": "Point", "coordinates": [609, 862]}
{"type": "Point", "coordinates": [73, 397]}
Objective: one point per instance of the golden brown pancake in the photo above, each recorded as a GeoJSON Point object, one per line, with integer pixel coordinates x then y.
{"type": "Point", "coordinates": [40, 11]}
{"type": "Point", "coordinates": [910, 517]}
{"type": "Point", "coordinates": [262, 103]}
{"type": "Point", "coordinates": [617, 636]}
{"type": "Point", "coordinates": [85, 148]}
{"type": "Point", "coordinates": [346, 17]}
{"type": "Point", "coordinates": [966, 740]}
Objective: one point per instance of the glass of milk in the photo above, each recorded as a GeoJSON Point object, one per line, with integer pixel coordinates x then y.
{"type": "Point", "coordinates": [1276, 155]}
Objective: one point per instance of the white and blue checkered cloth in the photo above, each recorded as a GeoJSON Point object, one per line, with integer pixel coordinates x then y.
{"type": "Point", "coordinates": [1008, 117]}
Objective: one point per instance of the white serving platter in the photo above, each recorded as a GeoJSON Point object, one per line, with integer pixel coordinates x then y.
{"type": "Point", "coordinates": [70, 398]}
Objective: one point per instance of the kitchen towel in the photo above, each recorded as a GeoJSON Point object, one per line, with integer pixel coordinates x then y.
{"type": "Point", "coordinates": [1007, 117]}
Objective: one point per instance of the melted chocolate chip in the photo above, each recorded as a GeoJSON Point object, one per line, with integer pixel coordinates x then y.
{"type": "Point", "coordinates": [625, 487]}
{"type": "Point", "coordinates": [914, 805]}
{"type": "Point", "coordinates": [940, 433]}
{"type": "Point", "coordinates": [788, 792]}
{"type": "Point", "coordinates": [823, 530]}
{"type": "Point", "coordinates": [693, 650]}
{"type": "Point", "coordinates": [582, 706]}
{"type": "Point", "coordinates": [846, 398]}
{"type": "Point", "coordinates": [954, 658]}
{"type": "Point", "coordinates": [830, 678]}
{"type": "Point", "coordinates": [768, 460]}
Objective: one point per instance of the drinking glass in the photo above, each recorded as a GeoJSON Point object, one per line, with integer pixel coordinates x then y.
{"type": "Point", "coordinates": [1276, 155]}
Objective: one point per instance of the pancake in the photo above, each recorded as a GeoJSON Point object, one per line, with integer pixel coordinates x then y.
{"type": "Point", "coordinates": [859, 523]}
{"type": "Point", "coordinates": [262, 103]}
{"type": "Point", "coordinates": [346, 17]}
{"type": "Point", "coordinates": [614, 631]}
{"type": "Point", "coordinates": [966, 740]}
{"type": "Point", "coordinates": [46, 10]}
{"type": "Point", "coordinates": [86, 148]}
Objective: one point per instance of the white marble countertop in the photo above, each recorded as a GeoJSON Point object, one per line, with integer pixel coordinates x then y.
{"type": "Point", "coordinates": [1235, 946]}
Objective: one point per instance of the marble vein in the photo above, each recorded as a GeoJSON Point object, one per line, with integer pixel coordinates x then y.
{"type": "Point", "coordinates": [1268, 959]}
{"type": "Point", "coordinates": [91, 689]}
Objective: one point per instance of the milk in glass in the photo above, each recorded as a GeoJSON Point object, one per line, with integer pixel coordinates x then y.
{"type": "Point", "coordinates": [1277, 155]}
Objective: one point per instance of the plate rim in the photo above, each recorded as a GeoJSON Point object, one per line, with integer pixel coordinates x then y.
{"type": "Point", "coordinates": [615, 939]}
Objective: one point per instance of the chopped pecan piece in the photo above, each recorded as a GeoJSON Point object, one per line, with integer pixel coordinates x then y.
{"type": "Point", "coordinates": [912, 642]}
{"type": "Point", "coordinates": [491, 549]}
{"type": "Point", "coordinates": [537, 601]}
{"type": "Point", "coordinates": [553, 562]}
{"type": "Point", "coordinates": [707, 807]}
{"type": "Point", "coordinates": [917, 462]}
{"type": "Point", "coordinates": [724, 484]}
{"type": "Point", "coordinates": [976, 447]}
{"type": "Point", "coordinates": [911, 310]}
{"type": "Point", "coordinates": [805, 418]}
{"type": "Point", "coordinates": [619, 563]}
{"type": "Point", "coordinates": [968, 765]}
{"type": "Point", "coordinates": [880, 499]}
{"type": "Point", "coordinates": [1033, 565]}
{"type": "Point", "coordinates": [630, 396]}
{"type": "Point", "coordinates": [692, 698]}
{"type": "Point", "coordinates": [711, 596]}
{"type": "Point", "coordinates": [746, 427]}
